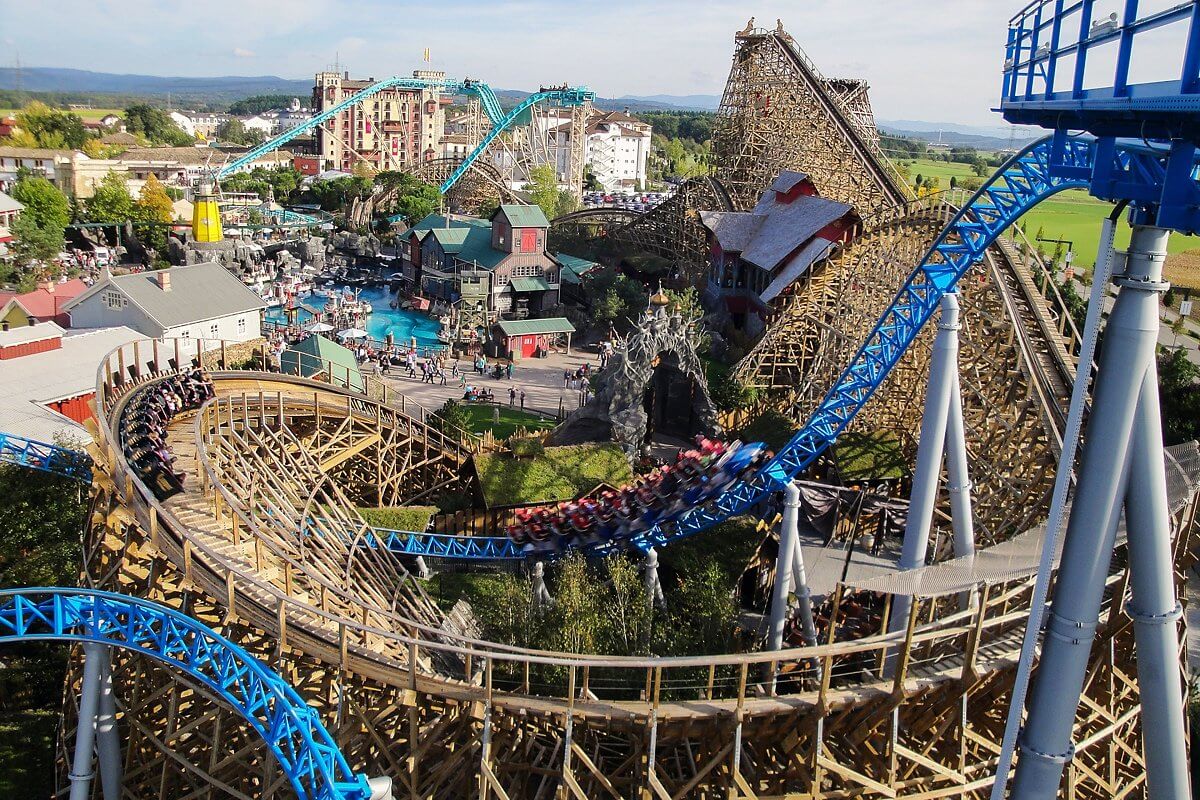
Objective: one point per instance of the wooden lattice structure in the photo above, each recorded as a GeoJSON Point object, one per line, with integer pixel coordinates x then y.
{"type": "Point", "coordinates": [265, 545]}
{"type": "Point", "coordinates": [778, 112]}
{"type": "Point", "coordinates": [260, 558]}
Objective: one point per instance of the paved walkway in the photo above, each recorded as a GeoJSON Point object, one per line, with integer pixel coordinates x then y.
{"type": "Point", "coordinates": [541, 378]}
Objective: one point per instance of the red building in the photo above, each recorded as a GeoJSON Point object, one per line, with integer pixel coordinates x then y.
{"type": "Point", "coordinates": [757, 255]}
{"type": "Point", "coordinates": [43, 304]}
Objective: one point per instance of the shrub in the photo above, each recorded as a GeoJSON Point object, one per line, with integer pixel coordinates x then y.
{"type": "Point", "coordinates": [559, 473]}
{"type": "Point", "coordinates": [770, 427]}
{"type": "Point", "coordinates": [398, 518]}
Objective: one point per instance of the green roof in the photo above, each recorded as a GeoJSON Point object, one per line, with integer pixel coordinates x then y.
{"type": "Point", "coordinates": [526, 327]}
{"type": "Point", "coordinates": [573, 268]}
{"type": "Point", "coordinates": [529, 285]}
{"type": "Point", "coordinates": [434, 221]}
{"type": "Point", "coordinates": [451, 239]}
{"type": "Point", "coordinates": [520, 216]}
{"type": "Point", "coordinates": [477, 247]}
{"type": "Point", "coordinates": [318, 354]}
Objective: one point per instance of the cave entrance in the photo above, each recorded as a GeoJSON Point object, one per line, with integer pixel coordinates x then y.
{"type": "Point", "coordinates": [670, 401]}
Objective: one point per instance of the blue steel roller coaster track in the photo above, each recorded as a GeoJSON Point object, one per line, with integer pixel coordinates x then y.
{"type": "Point", "coordinates": [45, 457]}
{"type": "Point", "coordinates": [500, 122]}
{"type": "Point", "coordinates": [1042, 169]}
{"type": "Point", "coordinates": [291, 729]}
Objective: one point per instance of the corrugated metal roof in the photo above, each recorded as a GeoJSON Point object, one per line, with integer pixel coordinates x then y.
{"type": "Point", "coordinates": [198, 292]}
{"type": "Point", "coordinates": [527, 327]}
{"type": "Point", "coordinates": [790, 225]}
{"type": "Point", "coordinates": [734, 229]}
{"type": "Point", "coordinates": [529, 285]}
{"type": "Point", "coordinates": [520, 216]}
{"type": "Point", "coordinates": [69, 371]}
{"type": "Point", "coordinates": [573, 268]}
{"type": "Point", "coordinates": [314, 354]}
{"type": "Point", "coordinates": [477, 248]}
{"type": "Point", "coordinates": [451, 239]}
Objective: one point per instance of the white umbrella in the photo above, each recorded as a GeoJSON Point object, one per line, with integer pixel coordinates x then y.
{"type": "Point", "coordinates": [353, 333]}
{"type": "Point", "coordinates": [320, 327]}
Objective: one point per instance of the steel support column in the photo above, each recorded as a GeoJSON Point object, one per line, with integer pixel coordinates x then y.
{"type": "Point", "coordinates": [943, 368]}
{"type": "Point", "coordinates": [85, 727]}
{"type": "Point", "coordinates": [1125, 376]}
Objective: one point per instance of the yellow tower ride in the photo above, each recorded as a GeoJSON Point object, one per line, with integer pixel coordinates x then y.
{"type": "Point", "coordinates": [206, 215]}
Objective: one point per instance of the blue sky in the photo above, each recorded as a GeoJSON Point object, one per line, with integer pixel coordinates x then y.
{"type": "Point", "coordinates": [936, 60]}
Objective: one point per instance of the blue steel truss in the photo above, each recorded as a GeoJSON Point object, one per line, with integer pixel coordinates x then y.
{"type": "Point", "coordinates": [1042, 169]}
{"type": "Point", "coordinates": [292, 729]}
{"type": "Point", "coordinates": [45, 457]}
{"type": "Point", "coordinates": [566, 96]}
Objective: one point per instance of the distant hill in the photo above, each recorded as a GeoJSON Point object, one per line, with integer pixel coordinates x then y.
{"type": "Point", "coordinates": [221, 88]}
{"type": "Point", "coordinates": [954, 139]}
{"type": "Point", "coordinates": [686, 102]}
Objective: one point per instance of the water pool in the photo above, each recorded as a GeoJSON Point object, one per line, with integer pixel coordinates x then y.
{"type": "Point", "coordinates": [402, 325]}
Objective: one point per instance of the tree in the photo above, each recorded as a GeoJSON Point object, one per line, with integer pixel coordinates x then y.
{"type": "Point", "coordinates": [259, 103]}
{"type": "Point", "coordinates": [1179, 396]}
{"type": "Point", "coordinates": [451, 418]}
{"type": "Point", "coordinates": [42, 126]}
{"type": "Point", "coordinates": [231, 130]}
{"type": "Point", "coordinates": [111, 202]}
{"type": "Point", "coordinates": [543, 189]}
{"type": "Point", "coordinates": [32, 243]}
{"type": "Point", "coordinates": [153, 206]}
{"type": "Point", "coordinates": [44, 203]}
{"type": "Point", "coordinates": [154, 124]}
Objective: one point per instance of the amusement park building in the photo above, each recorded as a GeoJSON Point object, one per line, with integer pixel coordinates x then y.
{"type": "Point", "coordinates": [393, 129]}
{"type": "Point", "coordinates": [757, 255]}
{"type": "Point", "coordinates": [200, 301]}
{"type": "Point", "coordinates": [502, 260]}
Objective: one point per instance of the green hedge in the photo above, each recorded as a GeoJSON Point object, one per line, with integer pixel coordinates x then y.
{"type": "Point", "coordinates": [559, 473]}
{"type": "Point", "coordinates": [398, 518]}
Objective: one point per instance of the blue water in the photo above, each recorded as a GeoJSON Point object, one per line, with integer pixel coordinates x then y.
{"type": "Point", "coordinates": [403, 325]}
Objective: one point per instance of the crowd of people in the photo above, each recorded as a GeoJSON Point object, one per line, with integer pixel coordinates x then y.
{"type": "Point", "coordinates": [696, 477]}
{"type": "Point", "coordinates": [144, 428]}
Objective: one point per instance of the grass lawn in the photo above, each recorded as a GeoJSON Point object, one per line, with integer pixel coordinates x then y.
{"type": "Point", "coordinates": [942, 170]}
{"type": "Point", "coordinates": [482, 418]}
{"type": "Point", "coordinates": [560, 473]}
{"type": "Point", "coordinates": [861, 456]}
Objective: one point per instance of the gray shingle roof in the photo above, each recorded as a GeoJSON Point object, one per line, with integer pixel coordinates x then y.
{"type": "Point", "coordinates": [198, 292]}
{"type": "Point", "coordinates": [789, 226]}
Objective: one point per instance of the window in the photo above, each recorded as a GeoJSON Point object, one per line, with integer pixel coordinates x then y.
{"type": "Point", "coordinates": [213, 331]}
{"type": "Point", "coordinates": [186, 333]}
{"type": "Point", "coordinates": [529, 239]}
{"type": "Point", "coordinates": [241, 325]}
{"type": "Point", "coordinates": [115, 300]}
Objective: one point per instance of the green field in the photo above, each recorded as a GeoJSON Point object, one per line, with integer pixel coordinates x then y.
{"type": "Point", "coordinates": [482, 419]}
{"type": "Point", "coordinates": [1074, 216]}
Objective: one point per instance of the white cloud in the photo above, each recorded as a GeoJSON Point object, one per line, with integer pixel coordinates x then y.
{"type": "Point", "coordinates": [242, 52]}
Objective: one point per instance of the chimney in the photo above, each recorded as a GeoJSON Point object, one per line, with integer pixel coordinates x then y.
{"type": "Point", "coordinates": [163, 279]}
{"type": "Point", "coordinates": [46, 284]}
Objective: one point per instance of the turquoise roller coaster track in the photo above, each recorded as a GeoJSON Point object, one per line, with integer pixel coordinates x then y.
{"type": "Point", "coordinates": [565, 96]}
{"type": "Point", "coordinates": [291, 729]}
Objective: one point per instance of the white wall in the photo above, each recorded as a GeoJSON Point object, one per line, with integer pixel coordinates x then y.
{"type": "Point", "coordinates": [227, 328]}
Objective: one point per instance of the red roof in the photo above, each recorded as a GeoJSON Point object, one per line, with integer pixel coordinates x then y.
{"type": "Point", "coordinates": [45, 304]}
